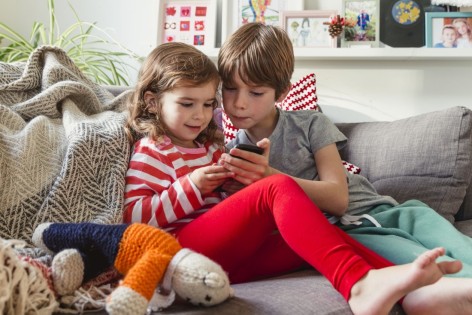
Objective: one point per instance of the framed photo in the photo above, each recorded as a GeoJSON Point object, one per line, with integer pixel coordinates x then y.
{"type": "Point", "coordinates": [449, 29]}
{"type": "Point", "coordinates": [362, 23]}
{"type": "Point", "coordinates": [308, 28]}
{"type": "Point", "coordinates": [238, 12]}
{"type": "Point", "coordinates": [187, 21]}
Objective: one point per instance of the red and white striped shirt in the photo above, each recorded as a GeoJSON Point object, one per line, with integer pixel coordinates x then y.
{"type": "Point", "coordinates": [159, 191]}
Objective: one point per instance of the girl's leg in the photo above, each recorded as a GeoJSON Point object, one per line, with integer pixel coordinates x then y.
{"type": "Point", "coordinates": [233, 232]}
{"type": "Point", "coordinates": [261, 265]}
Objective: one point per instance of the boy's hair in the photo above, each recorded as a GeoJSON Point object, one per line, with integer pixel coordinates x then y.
{"type": "Point", "coordinates": [169, 66]}
{"type": "Point", "coordinates": [449, 27]}
{"type": "Point", "coordinates": [261, 55]}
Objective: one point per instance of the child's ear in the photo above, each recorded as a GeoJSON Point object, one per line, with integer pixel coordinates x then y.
{"type": "Point", "coordinates": [151, 101]}
{"type": "Point", "coordinates": [284, 94]}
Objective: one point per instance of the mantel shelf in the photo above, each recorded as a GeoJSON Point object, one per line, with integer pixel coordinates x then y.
{"type": "Point", "coordinates": [383, 53]}
{"type": "Point", "coordinates": [402, 54]}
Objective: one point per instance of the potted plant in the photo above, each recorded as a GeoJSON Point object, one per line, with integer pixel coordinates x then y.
{"type": "Point", "coordinates": [100, 57]}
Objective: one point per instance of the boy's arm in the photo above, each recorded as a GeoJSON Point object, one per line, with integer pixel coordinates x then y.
{"type": "Point", "coordinates": [329, 193]}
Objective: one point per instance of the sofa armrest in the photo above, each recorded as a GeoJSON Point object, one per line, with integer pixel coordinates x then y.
{"type": "Point", "coordinates": [426, 157]}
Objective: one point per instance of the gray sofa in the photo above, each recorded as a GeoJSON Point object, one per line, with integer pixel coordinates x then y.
{"type": "Point", "coordinates": [426, 157]}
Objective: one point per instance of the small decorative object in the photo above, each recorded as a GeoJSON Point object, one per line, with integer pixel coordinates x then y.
{"type": "Point", "coordinates": [449, 29]}
{"type": "Point", "coordinates": [238, 12]}
{"type": "Point", "coordinates": [402, 22]}
{"type": "Point", "coordinates": [187, 21]}
{"type": "Point", "coordinates": [309, 28]}
{"type": "Point", "coordinates": [361, 25]}
{"type": "Point", "coordinates": [335, 25]}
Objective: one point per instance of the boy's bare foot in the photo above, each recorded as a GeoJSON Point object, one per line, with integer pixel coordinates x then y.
{"type": "Point", "coordinates": [378, 291]}
{"type": "Point", "coordinates": [448, 296]}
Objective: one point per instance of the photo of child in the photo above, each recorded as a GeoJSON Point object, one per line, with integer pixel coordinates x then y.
{"type": "Point", "coordinates": [464, 32]}
{"type": "Point", "coordinates": [448, 37]}
{"type": "Point", "coordinates": [449, 29]}
{"type": "Point", "coordinates": [361, 22]}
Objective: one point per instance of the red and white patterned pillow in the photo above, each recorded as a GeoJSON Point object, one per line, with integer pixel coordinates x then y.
{"type": "Point", "coordinates": [302, 96]}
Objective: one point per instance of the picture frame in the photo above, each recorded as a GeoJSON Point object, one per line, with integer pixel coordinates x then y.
{"type": "Point", "coordinates": [361, 28]}
{"type": "Point", "coordinates": [238, 12]}
{"type": "Point", "coordinates": [442, 27]}
{"type": "Point", "coordinates": [309, 29]}
{"type": "Point", "coordinates": [188, 21]}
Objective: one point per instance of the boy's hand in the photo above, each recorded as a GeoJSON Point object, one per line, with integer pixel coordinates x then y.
{"type": "Point", "coordinates": [208, 178]}
{"type": "Point", "coordinates": [248, 167]}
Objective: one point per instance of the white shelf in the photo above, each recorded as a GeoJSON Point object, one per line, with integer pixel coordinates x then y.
{"type": "Point", "coordinates": [402, 54]}
{"type": "Point", "coordinates": [382, 54]}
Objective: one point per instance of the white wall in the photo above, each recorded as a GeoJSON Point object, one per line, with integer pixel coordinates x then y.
{"type": "Point", "coordinates": [379, 89]}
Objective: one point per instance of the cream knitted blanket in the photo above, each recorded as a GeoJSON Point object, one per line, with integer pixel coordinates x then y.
{"type": "Point", "coordinates": [63, 149]}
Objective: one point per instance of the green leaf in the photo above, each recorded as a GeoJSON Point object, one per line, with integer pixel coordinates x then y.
{"type": "Point", "coordinates": [92, 49]}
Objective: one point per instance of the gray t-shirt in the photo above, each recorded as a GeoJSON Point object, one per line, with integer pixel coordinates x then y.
{"type": "Point", "coordinates": [295, 139]}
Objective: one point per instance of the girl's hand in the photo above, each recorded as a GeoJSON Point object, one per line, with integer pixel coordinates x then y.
{"type": "Point", "coordinates": [248, 167]}
{"type": "Point", "coordinates": [208, 178]}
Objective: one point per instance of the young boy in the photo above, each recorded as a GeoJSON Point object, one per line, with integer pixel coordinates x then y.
{"type": "Point", "coordinates": [449, 37]}
{"type": "Point", "coordinates": [256, 64]}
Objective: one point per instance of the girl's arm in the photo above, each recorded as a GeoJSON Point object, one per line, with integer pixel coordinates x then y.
{"type": "Point", "coordinates": [154, 196]}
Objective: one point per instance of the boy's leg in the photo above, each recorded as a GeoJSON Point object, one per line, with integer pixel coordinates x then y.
{"type": "Point", "coordinates": [411, 229]}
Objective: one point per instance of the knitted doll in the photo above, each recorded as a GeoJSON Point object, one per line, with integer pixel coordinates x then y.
{"type": "Point", "coordinates": [147, 256]}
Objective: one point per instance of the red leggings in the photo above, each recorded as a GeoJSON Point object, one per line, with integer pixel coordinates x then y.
{"type": "Point", "coordinates": [240, 233]}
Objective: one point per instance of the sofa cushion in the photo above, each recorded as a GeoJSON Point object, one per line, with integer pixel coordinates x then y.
{"type": "Point", "coordinates": [302, 292]}
{"type": "Point", "coordinates": [426, 157]}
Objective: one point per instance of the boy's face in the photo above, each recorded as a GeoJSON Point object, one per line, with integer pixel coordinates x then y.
{"type": "Point", "coordinates": [248, 106]}
{"type": "Point", "coordinates": [449, 36]}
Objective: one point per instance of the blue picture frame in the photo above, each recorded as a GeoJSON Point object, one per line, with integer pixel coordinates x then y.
{"type": "Point", "coordinates": [437, 22]}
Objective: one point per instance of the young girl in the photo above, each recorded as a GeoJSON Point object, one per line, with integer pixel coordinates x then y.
{"type": "Point", "coordinates": [174, 177]}
{"type": "Point", "coordinates": [464, 40]}
{"type": "Point", "coordinates": [305, 146]}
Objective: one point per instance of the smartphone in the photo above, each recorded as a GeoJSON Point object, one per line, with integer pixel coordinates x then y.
{"type": "Point", "coordinates": [250, 148]}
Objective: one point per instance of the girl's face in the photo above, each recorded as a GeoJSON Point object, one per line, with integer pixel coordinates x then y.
{"type": "Point", "coordinates": [461, 28]}
{"type": "Point", "coordinates": [187, 111]}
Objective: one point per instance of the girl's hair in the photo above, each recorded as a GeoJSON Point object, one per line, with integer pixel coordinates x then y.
{"type": "Point", "coordinates": [466, 22]}
{"type": "Point", "coordinates": [169, 66]}
{"type": "Point", "coordinates": [261, 55]}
